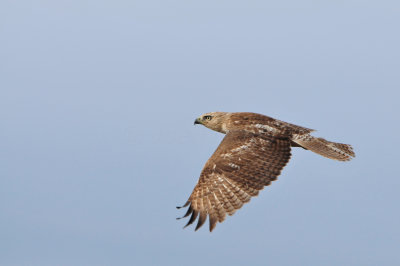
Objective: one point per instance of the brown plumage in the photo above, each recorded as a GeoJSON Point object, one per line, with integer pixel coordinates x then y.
{"type": "Point", "coordinates": [252, 154]}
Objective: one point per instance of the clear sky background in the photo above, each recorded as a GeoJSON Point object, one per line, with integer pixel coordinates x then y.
{"type": "Point", "coordinates": [97, 143]}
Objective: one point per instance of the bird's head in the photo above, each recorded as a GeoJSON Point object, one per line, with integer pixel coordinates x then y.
{"type": "Point", "coordinates": [215, 120]}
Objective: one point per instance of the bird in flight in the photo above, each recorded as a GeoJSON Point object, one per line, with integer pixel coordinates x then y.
{"type": "Point", "coordinates": [252, 154]}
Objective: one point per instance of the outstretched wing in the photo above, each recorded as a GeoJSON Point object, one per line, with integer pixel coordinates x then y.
{"type": "Point", "coordinates": [241, 166]}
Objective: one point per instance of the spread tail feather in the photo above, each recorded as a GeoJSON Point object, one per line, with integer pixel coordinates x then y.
{"type": "Point", "coordinates": [331, 150]}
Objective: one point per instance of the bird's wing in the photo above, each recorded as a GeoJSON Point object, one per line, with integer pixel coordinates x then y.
{"type": "Point", "coordinates": [241, 166]}
{"type": "Point", "coordinates": [266, 125]}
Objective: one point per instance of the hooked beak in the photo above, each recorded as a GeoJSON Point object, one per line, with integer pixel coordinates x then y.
{"type": "Point", "coordinates": [197, 121]}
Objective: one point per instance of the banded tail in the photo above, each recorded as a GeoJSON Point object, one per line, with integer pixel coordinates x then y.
{"type": "Point", "coordinates": [331, 150]}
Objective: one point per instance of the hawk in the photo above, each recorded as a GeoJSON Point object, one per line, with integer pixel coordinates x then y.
{"type": "Point", "coordinates": [252, 155]}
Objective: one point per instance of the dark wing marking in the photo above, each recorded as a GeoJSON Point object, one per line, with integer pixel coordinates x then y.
{"type": "Point", "coordinates": [241, 166]}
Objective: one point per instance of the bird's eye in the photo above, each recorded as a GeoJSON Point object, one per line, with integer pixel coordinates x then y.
{"type": "Point", "coordinates": [207, 117]}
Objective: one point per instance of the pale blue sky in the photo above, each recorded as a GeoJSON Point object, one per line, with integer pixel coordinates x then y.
{"type": "Point", "coordinates": [97, 143]}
